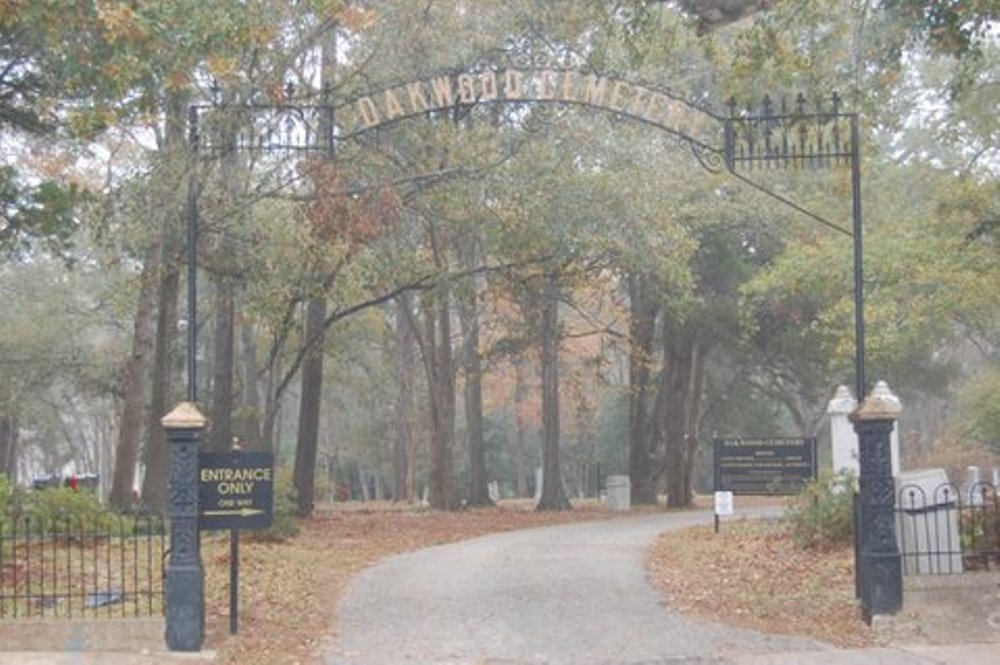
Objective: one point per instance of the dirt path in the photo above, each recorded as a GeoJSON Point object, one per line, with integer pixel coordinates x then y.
{"type": "Point", "coordinates": [575, 593]}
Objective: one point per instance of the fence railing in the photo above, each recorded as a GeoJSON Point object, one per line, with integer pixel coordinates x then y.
{"type": "Point", "coordinates": [103, 565]}
{"type": "Point", "coordinates": [946, 530]}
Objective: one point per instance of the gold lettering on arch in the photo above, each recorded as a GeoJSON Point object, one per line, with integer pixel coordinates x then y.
{"type": "Point", "coordinates": [418, 100]}
{"type": "Point", "coordinates": [368, 111]}
{"type": "Point", "coordinates": [569, 86]}
{"type": "Point", "coordinates": [542, 85]}
{"type": "Point", "coordinates": [636, 104]}
{"type": "Point", "coordinates": [490, 90]}
{"type": "Point", "coordinates": [594, 89]}
{"type": "Point", "coordinates": [617, 91]}
{"type": "Point", "coordinates": [466, 89]}
{"type": "Point", "coordinates": [547, 84]}
{"type": "Point", "coordinates": [654, 99]}
{"type": "Point", "coordinates": [393, 109]}
{"type": "Point", "coordinates": [513, 87]}
{"type": "Point", "coordinates": [443, 93]}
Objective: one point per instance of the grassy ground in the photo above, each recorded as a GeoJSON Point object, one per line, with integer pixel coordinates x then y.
{"type": "Point", "coordinates": [749, 575]}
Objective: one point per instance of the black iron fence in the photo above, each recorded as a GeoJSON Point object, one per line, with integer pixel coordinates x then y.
{"type": "Point", "coordinates": [99, 565]}
{"type": "Point", "coordinates": [944, 529]}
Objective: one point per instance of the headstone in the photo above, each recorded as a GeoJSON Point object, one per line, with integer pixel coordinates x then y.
{"type": "Point", "coordinates": [619, 493]}
{"type": "Point", "coordinates": [539, 479]}
{"type": "Point", "coordinates": [927, 523]}
{"type": "Point", "coordinates": [493, 487]}
{"type": "Point", "coordinates": [972, 491]}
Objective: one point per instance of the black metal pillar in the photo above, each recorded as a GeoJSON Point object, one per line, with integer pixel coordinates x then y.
{"type": "Point", "coordinates": [879, 565]}
{"type": "Point", "coordinates": [859, 273]}
{"type": "Point", "coordinates": [192, 261]}
{"type": "Point", "coordinates": [184, 578]}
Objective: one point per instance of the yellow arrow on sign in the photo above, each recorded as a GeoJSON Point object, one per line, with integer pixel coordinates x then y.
{"type": "Point", "coordinates": [242, 512]}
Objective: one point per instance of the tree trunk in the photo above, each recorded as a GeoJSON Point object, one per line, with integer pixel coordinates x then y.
{"type": "Point", "coordinates": [134, 387]}
{"type": "Point", "coordinates": [642, 326]}
{"type": "Point", "coordinates": [249, 427]}
{"type": "Point", "coordinates": [8, 446]}
{"type": "Point", "coordinates": [404, 447]}
{"type": "Point", "coordinates": [684, 365]}
{"type": "Point", "coordinates": [521, 434]}
{"type": "Point", "coordinates": [304, 473]}
{"type": "Point", "coordinates": [553, 495]}
{"type": "Point", "coordinates": [307, 444]}
{"type": "Point", "coordinates": [154, 485]}
{"type": "Point", "coordinates": [222, 379]}
{"type": "Point", "coordinates": [439, 365]}
{"type": "Point", "coordinates": [363, 483]}
{"type": "Point", "coordinates": [272, 407]}
{"type": "Point", "coordinates": [479, 493]}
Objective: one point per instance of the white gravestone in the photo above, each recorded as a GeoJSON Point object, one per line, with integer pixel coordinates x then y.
{"type": "Point", "coordinates": [927, 523]}
{"type": "Point", "coordinates": [619, 493]}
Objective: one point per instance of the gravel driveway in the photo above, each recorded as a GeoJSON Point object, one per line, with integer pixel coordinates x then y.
{"type": "Point", "coordinates": [573, 594]}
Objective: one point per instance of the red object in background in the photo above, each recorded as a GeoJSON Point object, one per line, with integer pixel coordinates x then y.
{"type": "Point", "coordinates": [73, 483]}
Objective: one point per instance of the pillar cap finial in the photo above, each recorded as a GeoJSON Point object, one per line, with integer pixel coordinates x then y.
{"type": "Point", "coordinates": [843, 402]}
{"type": "Point", "coordinates": [184, 416]}
{"type": "Point", "coordinates": [881, 404]}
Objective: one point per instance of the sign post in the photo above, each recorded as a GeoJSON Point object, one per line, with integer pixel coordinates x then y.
{"type": "Point", "coordinates": [235, 491]}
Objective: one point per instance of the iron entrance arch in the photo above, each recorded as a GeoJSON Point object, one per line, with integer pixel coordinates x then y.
{"type": "Point", "coordinates": [737, 143]}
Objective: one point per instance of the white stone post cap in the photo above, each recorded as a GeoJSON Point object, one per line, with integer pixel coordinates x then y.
{"type": "Point", "coordinates": [184, 416]}
{"type": "Point", "coordinates": [881, 404]}
{"type": "Point", "coordinates": [843, 402]}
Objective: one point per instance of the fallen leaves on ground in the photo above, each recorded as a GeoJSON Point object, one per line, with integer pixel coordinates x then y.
{"type": "Point", "coordinates": [751, 574]}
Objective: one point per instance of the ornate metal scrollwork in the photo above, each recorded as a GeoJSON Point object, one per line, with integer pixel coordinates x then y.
{"type": "Point", "coordinates": [787, 135]}
{"type": "Point", "coordinates": [712, 161]}
{"type": "Point", "coordinates": [531, 50]}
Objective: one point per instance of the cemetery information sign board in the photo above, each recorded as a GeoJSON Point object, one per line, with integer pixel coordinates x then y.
{"type": "Point", "coordinates": [235, 490]}
{"type": "Point", "coordinates": [764, 466]}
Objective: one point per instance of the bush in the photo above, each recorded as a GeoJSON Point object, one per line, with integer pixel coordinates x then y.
{"type": "Point", "coordinates": [283, 524]}
{"type": "Point", "coordinates": [6, 494]}
{"type": "Point", "coordinates": [64, 508]}
{"type": "Point", "coordinates": [822, 515]}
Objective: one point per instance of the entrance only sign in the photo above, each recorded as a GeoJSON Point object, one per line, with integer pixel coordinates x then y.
{"type": "Point", "coordinates": [235, 490]}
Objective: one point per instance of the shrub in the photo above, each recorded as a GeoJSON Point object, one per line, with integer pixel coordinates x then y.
{"type": "Point", "coordinates": [5, 494]}
{"type": "Point", "coordinates": [822, 515]}
{"type": "Point", "coordinates": [283, 524]}
{"type": "Point", "coordinates": [50, 508]}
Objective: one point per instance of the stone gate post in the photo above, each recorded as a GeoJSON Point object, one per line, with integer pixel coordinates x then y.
{"type": "Point", "coordinates": [879, 565]}
{"type": "Point", "coordinates": [184, 578]}
{"type": "Point", "coordinates": [843, 439]}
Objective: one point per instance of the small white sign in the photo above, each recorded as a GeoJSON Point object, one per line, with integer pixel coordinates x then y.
{"type": "Point", "coordinates": [723, 503]}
